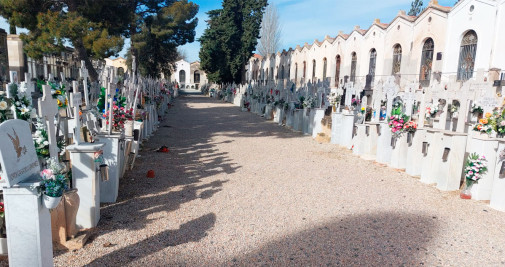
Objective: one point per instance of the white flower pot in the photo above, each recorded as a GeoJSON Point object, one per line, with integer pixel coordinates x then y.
{"type": "Point", "coordinates": [128, 128]}
{"type": "Point", "coordinates": [50, 202]}
{"type": "Point", "coordinates": [3, 246]}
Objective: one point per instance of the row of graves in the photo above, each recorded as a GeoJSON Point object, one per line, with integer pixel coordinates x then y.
{"type": "Point", "coordinates": [65, 147]}
{"type": "Point", "coordinates": [450, 135]}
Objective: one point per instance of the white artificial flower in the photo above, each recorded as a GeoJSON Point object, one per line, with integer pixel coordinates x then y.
{"type": "Point", "coordinates": [3, 105]}
{"type": "Point", "coordinates": [45, 143]}
{"type": "Point", "coordinates": [18, 103]}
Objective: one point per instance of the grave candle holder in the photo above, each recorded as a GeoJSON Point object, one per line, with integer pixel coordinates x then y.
{"type": "Point", "coordinates": [393, 142]}
{"type": "Point", "coordinates": [104, 172]}
{"type": "Point", "coordinates": [502, 170]}
{"type": "Point", "coordinates": [377, 127]}
{"type": "Point", "coordinates": [409, 138]}
{"type": "Point", "coordinates": [367, 130]}
{"type": "Point", "coordinates": [425, 148]}
{"type": "Point", "coordinates": [445, 156]}
{"type": "Point", "coordinates": [354, 131]}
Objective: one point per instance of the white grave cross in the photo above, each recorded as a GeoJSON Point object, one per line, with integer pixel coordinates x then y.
{"type": "Point", "coordinates": [76, 101]}
{"type": "Point", "coordinates": [409, 97]}
{"type": "Point", "coordinates": [349, 92]}
{"type": "Point", "coordinates": [391, 90]}
{"type": "Point", "coordinates": [48, 108]}
{"type": "Point", "coordinates": [84, 75]}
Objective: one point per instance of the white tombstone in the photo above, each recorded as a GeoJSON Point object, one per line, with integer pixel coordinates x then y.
{"type": "Point", "coordinates": [28, 222]}
{"type": "Point", "coordinates": [48, 108]}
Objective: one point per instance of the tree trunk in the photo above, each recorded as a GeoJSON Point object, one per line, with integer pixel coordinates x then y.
{"type": "Point", "coordinates": [82, 55]}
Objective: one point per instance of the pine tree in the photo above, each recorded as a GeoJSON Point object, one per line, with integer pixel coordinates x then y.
{"type": "Point", "coordinates": [94, 28]}
{"type": "Point", "coordinates": [230, 38]}
{"type": "Point", "coordinates": [415, 7]}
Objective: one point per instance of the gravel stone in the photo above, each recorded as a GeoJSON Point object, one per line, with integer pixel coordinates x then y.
{"type": "Point", "coordinates": [236, 190]}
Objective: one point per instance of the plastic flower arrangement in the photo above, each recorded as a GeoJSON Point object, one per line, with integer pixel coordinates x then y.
{"type": "Point", "coordinates": [477, 110]}
{"type": "Point", "coordinates": [410, 127]}
{"type": "Point", "coordinates": [488, 124]}
{"type": "Point", "coordinates": [431, 111]}
{"type": "Point", "coordinates": [58, 92]}
{"type": "Point", "coordinates": [355, 102]}
{"type": "Point", "coordinates": [475, 168]}
{"type": "Point", "coordinates": [4, 108]}
{"type": "Point", "coordinates": [397, 123]}
{"type": "Point", "coordinates": [333, 99]}
{"type": "Point", "coordinates": [41, 140]}
{"type": "Point", "coordinates": [309, 102]}
{"type": "Point", "coordinates": [54, 179]}
{"type": "Point", "coordinates": [119, 116]}
{"type": "Point", "coordinates": [21, 103]}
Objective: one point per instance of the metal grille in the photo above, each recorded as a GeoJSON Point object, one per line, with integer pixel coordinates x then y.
{"type": "Point", "coordinates": [467, 54]}
{"type": "Point", "coordinates": [296, 72]}
{"type": "Point", "coordinates": [426, 63]}
{"type": "Point", "coordinates": [337, 71]}
{"type": "Point", "coordinates": [324, 68]}
{"type": "Point", "coordinates": [397, 59]}
{"type": "Point", "coordinates": [353, 67]}
{"type": "Point", "coordinates": [313, 70]}
{"type": "Point", "coordinates": [373, 60]}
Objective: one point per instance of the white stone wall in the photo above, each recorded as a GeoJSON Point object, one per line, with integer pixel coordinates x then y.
{"type": "Point", "coordinates": [445, 25]}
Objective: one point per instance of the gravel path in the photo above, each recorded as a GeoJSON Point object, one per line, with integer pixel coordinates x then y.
{"type": "Point", "coordinates": [237, 190]}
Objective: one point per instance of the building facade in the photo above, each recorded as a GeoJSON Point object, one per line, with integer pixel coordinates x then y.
{"type": "Point", "coordinates": [443, 43]}
{"type": "Point", "coordinates": [188, 75]}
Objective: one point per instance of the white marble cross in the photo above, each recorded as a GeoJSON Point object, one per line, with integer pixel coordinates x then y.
{"type": "Point", "coordinates": [84, 75]}
{"type": "Point", "coordinates": [391, 90]}
{"type": "Point", "coordinates": [44, 60]}
{"type": "Point", "coordinates": [409, 97]}
{"type": "Point", "coordinates": [348, 93]}
{"type": "Point", "coordinates": [110, 93]}
{"type": "Point", "coordinates": [48, 108]}
{"type": "Point", "coordinates": [76, 101]}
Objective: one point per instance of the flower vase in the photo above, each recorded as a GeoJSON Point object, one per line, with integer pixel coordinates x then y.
{"type": "Point", "coordinates": [334, 108]}
{"type": "Point", "coordinates": [50, 202]}
{"type": "Point", "coordinates": [128, 127]}
{"type": "Point", "coordinates": [455, 115]}
{"type": "Point", "coordinates": [466, 193]}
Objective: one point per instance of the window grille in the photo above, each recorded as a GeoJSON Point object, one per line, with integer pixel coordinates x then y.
{"type": "Point", "coordinates": [337, 70]}
{"type": "Point", "coordinates": [354, 61]}
{"type": "Point", "coordinates": [397, 59]}
{"type": "Point", "coordinates": [373, 61]}
{"type": "Point", "coordinates": [426, 62]}
{"type": "Point", "coordinates": [467, 53]}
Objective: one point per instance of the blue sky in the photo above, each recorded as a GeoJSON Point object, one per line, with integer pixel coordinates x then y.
{"type": "Point", "coordinates": [305, 20]}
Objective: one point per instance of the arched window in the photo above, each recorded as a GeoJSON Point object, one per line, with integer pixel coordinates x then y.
{"type": "Point", "coordinates": [313, 70]}
{"type": "Point", "coordinates": [467, 53]}
{"type": "Point", "coordinates": [282, 72]}
{"type": "Point", "coordinates": [304, 69]}
{"type": "Point", "coordinates": [426, 62]}
{"type": "Point", "coordinates": [120, 71]}
{"type": "Point", "coordinates": [289, 72]}
{"type": "Point", "coordinates": [354, 61]}
{"type": "Point", "coordinates": [296, 72]}
{"type": "Point", "coordinates": [196, 76]}
{"type": "Point", "coordinates": [182, 77]}
{"type": "Point", "coordinates": [272, 73]}
{"type": "Point", "coordinates": [373, 61]}
{"type": "Point", "coordinates": [325, 66]}
{"type": "Point", "coordinates": [397, 59]}
{"type": "Point", "coordinates": [337, 70]}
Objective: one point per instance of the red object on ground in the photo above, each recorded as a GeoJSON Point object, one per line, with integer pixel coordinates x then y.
{"type": "Point", "coordinates": [150, 174]}
{"type": "Point", "coordinates": [165, 150]}
{"type": "Point", "coordinates": [465, 196]}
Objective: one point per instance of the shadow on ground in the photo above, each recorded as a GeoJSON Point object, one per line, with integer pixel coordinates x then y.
{"type": "Point", "coordinates": [385, 239]}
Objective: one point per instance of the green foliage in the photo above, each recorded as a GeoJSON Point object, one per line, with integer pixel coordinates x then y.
{"type": "Point", "coordinates": [162, 27]}
{"type": "Point", "coordinates": [230, 38]}
{"type": "Point", "coordinates": [415, 7]}
{"type": "Point", "coordinates": [94, 28]}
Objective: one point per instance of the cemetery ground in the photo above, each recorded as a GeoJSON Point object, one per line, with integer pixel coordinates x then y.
{"type": "Point", "coordinates": [238, 190]}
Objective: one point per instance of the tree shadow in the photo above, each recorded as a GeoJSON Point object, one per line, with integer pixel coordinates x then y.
{"type": "Point", "coordinates": [385, 239]}
{"type": "Point", "coordinates": [192, 231]}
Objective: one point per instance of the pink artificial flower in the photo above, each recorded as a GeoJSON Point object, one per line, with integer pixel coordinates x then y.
{"type": "Point", "coordinates": [47, 174]}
